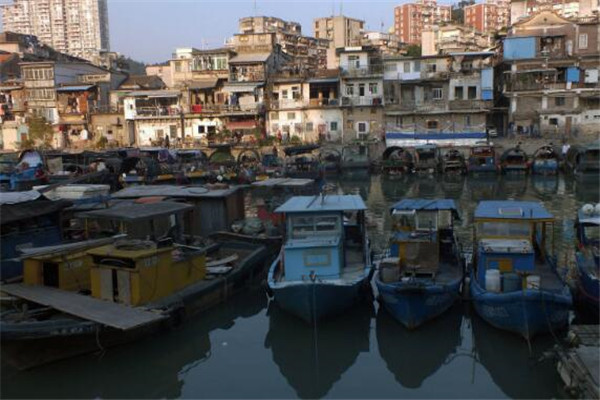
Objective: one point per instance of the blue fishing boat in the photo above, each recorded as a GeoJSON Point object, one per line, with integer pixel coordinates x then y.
{"type": "Point", "coordinates": [482, 158]}
{"type": "Point", "coordinates": [587, 288]}
{"type": "Point", "coordinates": [515, 284]}
{"type": "Point", "coordinates": [545, 161]}
{"type": "Point", "coordinates": [514, 160]}
{"type": "Point", "coordinates": [324, 266]}
{"type": "Point", "coordinates": [422, 276]}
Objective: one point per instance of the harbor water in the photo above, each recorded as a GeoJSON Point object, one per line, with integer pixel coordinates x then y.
{"type": "Point", "coordinates": [249, 348]}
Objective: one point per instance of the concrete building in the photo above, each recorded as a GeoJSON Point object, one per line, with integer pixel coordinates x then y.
{"type": "Point", "coordinates": [522, 9]}
{"type": "Point", "coordinates": [411, 19]}
{"type": "Point", "coordinates": [163, 71]}
{"type": "Point", "coordinates": [75, 27]}
{"type": "Point", "coordinates": [340, 30]}
{"type": "Point", "coordinates": [452, 38]}
{"type": "Point", "coordinates": [386, 43]}
{"type": "Point", "coordinates": [551, 74]}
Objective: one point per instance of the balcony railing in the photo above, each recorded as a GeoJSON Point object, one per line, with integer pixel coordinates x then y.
{"type": "Point", "coordinates": [470, 104]}
{"type": "Point", "coordinates": [250, 108]}
{"type": "Point", "coordinates": [362, 101]}
{"type": "Point", "coordinates": [373, 70]}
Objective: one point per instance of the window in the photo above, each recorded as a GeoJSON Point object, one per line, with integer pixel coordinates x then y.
{"type": "Point", "coordinates": [553, 121]}
{"type": "Point", "coordinates": [432, 124]}
{"type": "Point", "coordinates": [504, 229]}
{"type": "Point", "coordinates": [361, 89]}
{"type": "Point", "coordinates": [373, 88]}
{"type": "Point", "coordinates": [583, 40]}
{"type": "Point", "coordinates": [201, 129]}
{"type": "Point", "coordinates": [309, 127]}
{"type": "Point", "coordinates": [291, 115]}
{"type": "Point", "coordinates": [177, 66]}
{"type": "Point", "coordinates": [458, 93]}
{"type": "Point", "coordinates": [391, 67]}
{"type": "Point", "coordinates": [353, 62]}
{"type": "Point", "coordinates": [362, 127]}
{"type": "Point", "coordinates": [274, 116]}
{"type": "Point", "coordinates": [467, 120]}
{"type": "Point", "coordinates": [303, 227]}
{"type": "Point", "coordinates": [406, 67]}
{"type": "Point", "coordinates": [173, 131]}
{"type": "Point", "coordinates": [274, 127]}
{"type": "Point", "coordinates": [427, 220]}
{"type": "Point", "coordinates": [417, 66]}
{"type": "Point", "coordinates": [559, 101]}
{"type": "Point", "coordinates": [295, 92]}
{"type": "Point", "coordinates": [333, 126]}
{"type": "Point", "coordinates": [437, 93]}
{"type": "Point", "coordinates": [472, 92]}
{"type": "Point", "coordinates": [284, 94]}
{"type": "Point", "coordinates": [431, 67]}
{"type": "Point", "coordinates": [349, 124]}
{"type": "Point", "coordinates": [349, 90]}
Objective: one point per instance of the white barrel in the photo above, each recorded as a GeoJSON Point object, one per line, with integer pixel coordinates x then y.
{"type": "Point", "coordinates": [492, 280]}
{"type": "Point", "coordinates": [534, 282]}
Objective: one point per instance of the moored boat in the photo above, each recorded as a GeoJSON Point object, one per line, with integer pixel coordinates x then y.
{"type": "Point", "coordinates": [324, 266]}
{"type": "Point", "coordinates": [397, 160]}
{"type": "Point", "coordinates": [302, 162]}
{"type": "Point", "coordinates": [515, 284]}
{"type": "Point", "coordinates": [452, 161]}
{"type": "Point", "coordinates": [583, 158]}
{"type": "Point", "coordinates": [426, 159]}
{"type": "Point", "coordinates": [422, 275]}
{"type": "Point", "coordinates": [545, 161]}
{"type": "Point", "coordinates": [331, 160]}
{"type": "Point", "coordinates": [514, 160]}
{"type": "Point", "coordinates": [482, 158]}
{"type": "Point", "coordinates": [587, 258]}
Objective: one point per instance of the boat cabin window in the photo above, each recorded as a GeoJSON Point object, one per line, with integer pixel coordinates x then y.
{"type": "Point", "coordinates": [403, 220]}
{"type": "Point", "coordinates": [522, 229]}
{"type": "Point", "coordinates": [427, 220]}
{"type": "Point", "coordinates": [306, 226]}
{"type": "Point", "coordinates": [591, 233]}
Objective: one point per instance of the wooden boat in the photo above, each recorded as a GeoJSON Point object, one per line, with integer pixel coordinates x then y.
{"type": "Point", "coordinates": [192, 164]}
{"type": "Point", "coordinates": [355, 156]}
{"type": "Point", "coordinates": [545, 161]}
{"type": "Point", "coordinates": [271, 167]}
{"type": "Point", "coordinates": [330, 160]}
{"type": "Point", "coordinates": [515, 284]}
{"type": "Point", "coordinates": [482, 158]}
{"type": "Point", "coordinates": [27, 219]}
{"type": "Point", "coordinates": [514, 160]}
{"type": "Point", "coordinates": [426, 159]}
{"type": "Point", "coordinates": [138, 287]}
{"type": "Point", "coordinates": [153, 165]}
{"type": "Point", "coordinates": [584, 158]}
{"type": "Point", "coordinates": [28, 171]}
{"type": "Point", "coordinates": [452, 162]}
{"type": "Point", "coordinates": [302, 162]}
{"type": "Point", "coordinates": [397, 160]}
{"type": "Point", "coordinates": [423, 273]}
{"type": "Point", "coordinates": [222, 163]}
{"type": "Point", "coordinates": [325, 265]}
{"type": "Point", "coordinates": [587, 257]}
{"type": "Point", "coordinates": [249, 165]}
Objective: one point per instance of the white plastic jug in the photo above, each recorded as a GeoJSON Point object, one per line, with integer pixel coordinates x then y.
{"type": "Point", "coordinates": [492, 280]}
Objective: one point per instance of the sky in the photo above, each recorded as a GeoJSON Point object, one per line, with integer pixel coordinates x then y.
{"type": "Point", "coordinates": [150, 30]}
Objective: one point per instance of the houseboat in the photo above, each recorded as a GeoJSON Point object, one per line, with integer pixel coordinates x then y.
{"type": "Point", "coordinates": [397, 160]}
{"type": "Point", "coordinates": [545, 161]}
{"type": "Point", "coordinates": [482, 158]}
{"type": "Point", "coordinates": [514, 160]}
{"type": "Point", "coordinates": [587, 282]}
{"type": "Point", "coordinates": [355, 156]}
{"type": "Point", "coordinates": [302, 162]}
{"type": "Point", "coordinates": [584, 158]}
{"type": "Point", "coordinates": [422, 275]}
{"type": "Point", "coordinates": [331, 160]}
{"type": "Point", "coordinates": [324, 266]}
{"type": "Point", "coordinates": [452, 162]}
{"type": "Point", "coordinates": [426, 159]}
{"type": "Point", "coordinates": [139, 285]}
{"type": "Point", "coordinates": [515, 284]}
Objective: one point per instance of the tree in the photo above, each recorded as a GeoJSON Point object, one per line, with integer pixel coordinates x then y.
{"type": "Point", "coordinates": [414, 50]}
{"type": "Point", "coordinates": [40, 131]}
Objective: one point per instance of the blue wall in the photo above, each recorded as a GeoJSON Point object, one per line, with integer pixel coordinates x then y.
{"type": "Point", "coordinates": [487, 78]}
{"type": "Point", "coordinates": [517, 48]}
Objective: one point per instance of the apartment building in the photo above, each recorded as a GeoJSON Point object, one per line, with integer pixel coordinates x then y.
{"type": "Point", "coordinates": [411, 19]}
{"type": "Point", "coordinates": [572, 9]}
{"type": "Point", "coordinates": [551, 76]}
{"type": "Point", "coordinates": [452, 38]}
{"type": "Point", "coordinates": [386, 43]}
{"type": "Point", "coordinates": [75, 27]}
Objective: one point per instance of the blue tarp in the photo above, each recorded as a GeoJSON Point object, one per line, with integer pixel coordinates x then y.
{"type": "Point", "coordinates": [317, 204]}
{"type": "Point", "coordinates": [425, 204]}
{"type": "Point", "coordinates": [572, 74]}
{"type": "Point", "coordinates": [487, 78]}
{"type": "Point", "coordinates": [487, 94]}
{"type": "Point", "coordinates": [516, 48]}
{"type": "Point", "coordinates": [508, 209]}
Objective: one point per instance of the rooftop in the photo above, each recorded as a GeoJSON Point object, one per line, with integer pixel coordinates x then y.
{"type": "Point", "coordinates": [510, 209]}
{"type": "Point", "coordinates": [425, 204]}
{"type": "Point", "coordinates": [129, 212]}
{"type": "Point", "coordinates": [320, 203]}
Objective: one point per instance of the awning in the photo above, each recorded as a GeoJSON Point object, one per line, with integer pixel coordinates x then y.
{"type": "Point", "coordinates": [241, 125]}
{"type": "Point", "coordinates": [323, 80]}
{"type": "Point", "coordinates": [80, 88]}
{"type": "Point", "coordinates": [249, 58]}
{"type": "Point", "coordinates": [202, 84]}
{"type": "Point", "coordinates": [240, 87]}
{"type": "Point", "coordinates": [2, 88]}
{"type": "Point", "coordinates": [153, 93]}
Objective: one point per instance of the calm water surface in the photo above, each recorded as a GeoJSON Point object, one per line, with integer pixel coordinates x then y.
{"type": "Point", "coordinates": [248, 348]}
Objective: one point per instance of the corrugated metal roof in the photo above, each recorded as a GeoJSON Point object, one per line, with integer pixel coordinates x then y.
{"type": "Point", "coordinates": [203, 83]}
{"type": "Point", "coordinates": [249, 57]}
{"type": "Point", "coordinates": [320, 204]}
{"type": "Point", "coordinates": [509, 209]}
{"type": "Point", "coordinates": [79, 88]}
{"type": "Point", "coordinates": [135, 192]}
{"type": "Point", "coordinates": [425, 204]}
{"type": "Point", "coordinates": [242, 87]}
{"type": "Point", "coordinates": [18, 197]}
{"type": "Point", "coordinates": [136, 212]}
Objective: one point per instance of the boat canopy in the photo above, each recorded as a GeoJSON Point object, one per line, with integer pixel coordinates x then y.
{"type": "Point", "coordinates": [322, 203]}
{"type": "Point", "coordinates": [129, 212]}
{"type": "Point", "coordinates": [426, 205]}
{"type": "Point", "coordinates": [509, 209]}
{"type": "Point", "coordinates": [295, 150]}
{"type": "Point", "coordinates": [175, 191]}
{"type": "Point", "coordinates": [23, 211]}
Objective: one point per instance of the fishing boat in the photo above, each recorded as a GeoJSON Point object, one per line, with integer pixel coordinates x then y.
{"type": "Point", "coordinates": [426, 159]}
{"type": "Point", "coordinates": [222, 163]}
{"type": "Point", "coordinates": [583, 158]}
{"type": "Point", "coordinates": [249, 165]}
{"type": "Point", "coordinates": [515, 284]}
{"type": "Point", "coordinates": [147, 282]}
{"type": "Point", "coordinates": [302, 162]}
{"type": "Point", "coordinates": [422, 275]}
{"type": "Point", "coordinates": [271, 166]}
{"type": "Point", "coordinates": [514, 160]}
{"type": "Point", "coordinates": [587, 287]}
{"type": "Point", "coordinates": [397, 160]}
{"type": "Point", "coordinates": [355, 156]}
{"type": "Point", "coordinates": [192, 165]}
{"type": "Point", "coordinates": [452, 162]}
{"type": "Point", "coordinates": [324, 266]}
{"type": "Point", "coordinates": [330, 160]}
{"type": "Point", "coordinates": [28, 171]}
{"type": "Point", "coordinates": [151, 165]}
{"type": "Point", "coordinates": [545, 161]}
{"type": "Point", "coordinates": [482, 158]}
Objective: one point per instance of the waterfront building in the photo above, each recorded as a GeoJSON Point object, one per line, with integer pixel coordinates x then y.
{"type": "Point", "coordinates": [446, 39]}
{"type": "Point", "coordinates": [75, 27]}
{"type": "Point", "coordinates": [572, 9]}
{"type": "Point", "coordinates": [490, 16]}
{"type": "Point", "coordinates": [550, 74]}
{"type": "Point", "coordinates": [410, 19]}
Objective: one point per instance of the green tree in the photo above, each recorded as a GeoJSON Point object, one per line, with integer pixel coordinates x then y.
{"type": "Point", "coordinates": [40, 131]}
{"type": "Point", "coordinates": [414, 50]}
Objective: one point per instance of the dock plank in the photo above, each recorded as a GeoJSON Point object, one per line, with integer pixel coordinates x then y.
{"type": "Point", "coordinates": [104, 312]}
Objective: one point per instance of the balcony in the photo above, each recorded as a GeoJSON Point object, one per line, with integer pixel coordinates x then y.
{"type": "Point", "coordinates": [362, 101]}
{"type": "Point", "coordinates": [470, 104]}
{"type": "Point", "coordinates": [363, 72]}
{"type": "Point", "coordinates": [286, 104]}
{"type": "Point", "coordinates": [324, 102]}
{"type": "Point", "coordinates": [228, 109]}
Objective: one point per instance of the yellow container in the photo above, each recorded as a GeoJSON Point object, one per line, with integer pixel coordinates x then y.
{"type": "Point", "coordinates": [64, 271]}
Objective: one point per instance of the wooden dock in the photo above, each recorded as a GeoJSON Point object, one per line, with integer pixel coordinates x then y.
{"type": "Point", "coordinates": [104, 312]}
{"type": "Point", "coordinates": [579, 366]}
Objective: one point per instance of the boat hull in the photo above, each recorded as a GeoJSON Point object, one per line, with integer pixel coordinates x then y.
{"type": "Point", "coordinates": [587, 290]}
{"type": "Point", "coordinates": [413, 304]}
{"type": "Point", "coordinates": [527, 312]}
{"type": "Point", "coordinates": [545, 167]}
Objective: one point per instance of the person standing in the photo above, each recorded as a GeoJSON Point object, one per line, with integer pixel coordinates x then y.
{"type": "Point", "coordinates": [565, 149]}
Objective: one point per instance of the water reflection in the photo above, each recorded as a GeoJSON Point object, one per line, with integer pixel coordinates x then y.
{"type": "Point", "coordinates": [412, 356]}
{"type": "Point", "coordinates": [519, 373]}
{"type": "Point", "coordinates": [313, 359]}
{"type": "Point", "coordinates": [544, 186]}
{"type": "Point", "coordinates": [453, 185]}
{"type": "Point", "coordinates": [513, 186]}
{"type": "Point", "coordinates": [482, 187]}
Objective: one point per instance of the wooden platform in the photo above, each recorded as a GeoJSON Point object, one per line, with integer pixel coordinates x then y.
{"type": "Point", "coordinates": [579, 367]}
{"type": "Point", "coordinates": [104, 312]}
